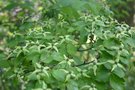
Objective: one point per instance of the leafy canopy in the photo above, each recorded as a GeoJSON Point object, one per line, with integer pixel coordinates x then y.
{"type": "Point", "coordinates": [70, 48]}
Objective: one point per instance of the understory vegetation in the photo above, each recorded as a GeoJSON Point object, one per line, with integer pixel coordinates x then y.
{"type": "Point", "coordinates": [64, 45]}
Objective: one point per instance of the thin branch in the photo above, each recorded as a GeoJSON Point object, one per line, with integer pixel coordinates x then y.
{"type": "Point", "coordinates": [81, 50]}
{"type": "Point", "coordinates": [83, 64]}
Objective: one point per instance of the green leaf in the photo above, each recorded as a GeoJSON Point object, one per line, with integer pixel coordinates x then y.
{"type": "Point", "coordinates": [102, 74]}
{"type": "Point", "coordinates": [75, 4]}
{"type": "Point", "coordinates": [70, 12]}
{"type": "Point", "coordinates": [59, 74]}
{"type": "Point", "coordinates": [72, 85]}
{"type": "Point", "coordinates": [4, 64]}
{"type": "Point", "coordinates": [56, 56]}
{"type": "Point", "coordinates": [114, 66]}
{"type": "Point", "coordinates": [2, 56]}
{"type": "Point", "coordinates": [108, 66]}
{"type": "Point", "coordinates": [111, 43]}
{"type": "Point", "coordinates": [100, 23]}
{"type": "Point", "coordinates": [34, 57]}
{"type": "Point", "coordinates": [83, 36]}
{"type": "Point", "coordinates": [32, 76]}
{"type": "Point", "coordinates": [131, 42]}
{"type": "Point", "coordinates": [46, 57]}
{"type": "Point", "coordinates": [105, 56]}
{"type": "Point", "coordinates": [40, 85]}
{"type": "Point", "coordinates": [124, 61]}
{"type": "Point", "coordinates": [116, 82]}
{"type": "Point", "coordinates": [68, 77]}
{"type": "Point", "coordinates": [125, 53]}
{"type": "Point", "coordinates": [71, 49]}
{"type": "Point", "coordinates": [119, 72]}
{"type": "Point", "coordinates": [33, 54]}
{"type": "Point", "coordinates": [11, 6]}
{"type": "Point", "coordinates": [95, 69]}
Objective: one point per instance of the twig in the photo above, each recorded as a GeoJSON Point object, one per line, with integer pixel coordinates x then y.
{"type": "Point", "coordinates": [85, 63]}
{"type": "Point", "coordinates": [81, 50]}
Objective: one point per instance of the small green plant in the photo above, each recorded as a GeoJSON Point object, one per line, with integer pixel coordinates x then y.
{"type": "Point", "coordinates": [70, 49]}
{"type": "Point", "coordinates": [90, 52]}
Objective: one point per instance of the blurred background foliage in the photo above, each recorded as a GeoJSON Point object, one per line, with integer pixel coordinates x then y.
{"type": "Point", "coordinates": [123, 10]}
{"type": "Point", "coordinates": [18, 16]}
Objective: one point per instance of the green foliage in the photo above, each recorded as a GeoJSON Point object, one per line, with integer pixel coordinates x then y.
{"type": "Point", "coordinates": [123, 10]}
{"type": "Point", "coordinates": [130, 80]}
{"type": "Point", "coordinates": [68, 48]}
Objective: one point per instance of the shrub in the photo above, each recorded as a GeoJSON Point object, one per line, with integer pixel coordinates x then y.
{"type": "Point", "coordinates": [72, 50]}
